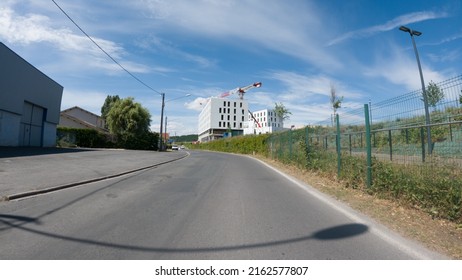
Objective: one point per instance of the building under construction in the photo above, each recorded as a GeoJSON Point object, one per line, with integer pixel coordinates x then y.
{"type": "Point", "coordinates": [221, 117]}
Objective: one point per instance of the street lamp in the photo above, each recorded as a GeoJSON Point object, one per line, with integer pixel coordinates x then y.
{"type": "Point", "coordinates": [161, 144]}
{"type": "Point", "coordinates": [427, 114]}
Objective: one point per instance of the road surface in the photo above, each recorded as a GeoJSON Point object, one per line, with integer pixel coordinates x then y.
{"type": "Point", "coordinates": [205, 206]}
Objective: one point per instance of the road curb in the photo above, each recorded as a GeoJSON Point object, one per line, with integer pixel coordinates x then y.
{"type": "Point", "coordinates": [69, 185]}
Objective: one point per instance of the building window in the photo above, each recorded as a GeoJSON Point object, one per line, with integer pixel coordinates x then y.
{"type": "Point", "coordinates": [243, 111]}
{"type": "Point", "coordinates": [219, 110]}
{"type": "Point", "coordinates": [222, 117]}
{"type": "Point", "coordinates": [234, 104]}
{"type": "Point", "coordinates": [228, 110]}
{"type": "Point", "coordinates": [234, 124]}
{"type": "Point", "coordinates": [240, 104]}
{"type": "Point", "coordinates": [229, 104]}
{"type": "Point", "coordinates": [219, 124]}
{"type": "Point", "coordinates": [242, 118]}
{"type": "Point", "coordinates": [228, 117]}
{"type": "Point", "coordinates": [224, 103]}
{"type": "Point", "coordinates": [234, 111]}
{"type": "Point", "coordinates": [234, 117]}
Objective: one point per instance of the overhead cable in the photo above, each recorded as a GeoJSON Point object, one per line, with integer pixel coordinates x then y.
{"type": "Point", "coordinates": [106, 53]}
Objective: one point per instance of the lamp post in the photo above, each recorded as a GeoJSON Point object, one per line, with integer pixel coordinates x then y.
{"type": "Point", "coordinates": [425, 100]}
{"type": "Point", "coordinates": [161, 144]}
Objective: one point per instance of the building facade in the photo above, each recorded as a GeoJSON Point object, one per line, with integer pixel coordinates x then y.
{"type": "Point", "coordinates": [262, 122]}
{"type": "Point", "coordinates": [77, 117]}
{"type": "Point", "coordinates": [221, 117]}
{"type": "Point", "coordinates": [29, 103]}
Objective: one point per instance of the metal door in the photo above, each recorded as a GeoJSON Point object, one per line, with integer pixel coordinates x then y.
{"type": "Point", "coordinates": [31, 131]}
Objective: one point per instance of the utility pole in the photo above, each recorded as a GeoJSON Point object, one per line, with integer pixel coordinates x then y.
{"type": "Point", "coordinates": [161, 145]}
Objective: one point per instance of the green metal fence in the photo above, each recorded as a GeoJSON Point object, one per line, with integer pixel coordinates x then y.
{"type": "Point", "coordinates": [384, 145]}
{"type": "Point", "coordinates": [392, 130]}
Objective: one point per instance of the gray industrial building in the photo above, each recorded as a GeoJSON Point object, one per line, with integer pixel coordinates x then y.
{"type": "Point", "coordinates": [30, 103]}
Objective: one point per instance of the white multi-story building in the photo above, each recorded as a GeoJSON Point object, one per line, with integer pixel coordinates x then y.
{"type": "Point", "coordinates": [220, 116]}
{"type": "Point", "coordinates": [263, 121]}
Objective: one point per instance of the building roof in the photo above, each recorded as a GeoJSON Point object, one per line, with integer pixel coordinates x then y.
{"type": "Point", "coordinates": [81, 109]}
{"type": "Point", "coordinates": [64, 114]}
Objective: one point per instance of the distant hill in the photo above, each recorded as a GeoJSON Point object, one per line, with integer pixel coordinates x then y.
{"type": "Point", "coordinates": [185, 138]}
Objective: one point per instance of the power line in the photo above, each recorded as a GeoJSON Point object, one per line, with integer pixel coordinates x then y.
{"type": "Point", "coordinates": [106, 53]}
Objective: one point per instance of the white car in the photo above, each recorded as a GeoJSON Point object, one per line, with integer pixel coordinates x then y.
{"type": "Point", "coordinates": [174, 147]}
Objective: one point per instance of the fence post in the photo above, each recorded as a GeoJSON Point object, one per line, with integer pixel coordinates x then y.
{"type": "Point", "coordinates": [279, 156]}
{"type": "Point", "coordinates": [307, 141]}
{"type": "Point", "coordinates": [339, 150]}
{"type": "Point", "coordinates": [368, 147]}
{"type": "Point", "coordinates": [349, 142]}
{"type": "Point", "coordinates": [290, 144]}
{"type": "Point", "coordinates": [422, 140]}
{"type": "Point", "coordinates": [390, 144]}
{"type": "Point", "coordinates": [272, 146]}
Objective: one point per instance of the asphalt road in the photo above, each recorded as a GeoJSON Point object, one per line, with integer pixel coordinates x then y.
{"type": "Point", "coordinates": [205, 206]}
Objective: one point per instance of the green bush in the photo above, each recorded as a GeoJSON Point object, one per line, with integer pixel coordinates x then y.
{"type": "Point", "coordinates": [353, 171]}
{"type": "Point", "coordinates": [141, 141]}
{"type": "Point", "coordinates": [90, 138]}
{"type": "Point", "coordinates": [82, 137]}
{"type": "Point", "coordinates": [435, 189]}
{"type": "Point", "coordinates": [238, 144]}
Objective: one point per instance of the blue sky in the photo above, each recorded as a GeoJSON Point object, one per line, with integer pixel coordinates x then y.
{"type": "Point", "coordinates": [296, 48]}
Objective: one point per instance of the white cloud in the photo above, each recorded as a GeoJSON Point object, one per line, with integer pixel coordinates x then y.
{"type": "Point", "coordinates": [197, 104]}
{"type": "Point", "coordinates": [389, 25]}
{"type": "Point", "coordinates": [181, 126]}
{"type": "Point", "coordinates": [294, 30]}
{"type": "Point", "coordinates": [155, 43]}
{"type": "Point", "coordinates": [401, 69]}
{"type": "Point", "coordinates": [89, 100]}
{"type": "Point", "coordinates": [307, 97]}
{"type": "Point", "coordinates": [35, 28]}
{"type": "Point", "coordinates": [447, 56]}
{"type": "Point", "coordinates": [299, 86]}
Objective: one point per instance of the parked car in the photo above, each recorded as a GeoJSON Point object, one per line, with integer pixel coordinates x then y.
{"type": "Point", "coordinates": [174, 147]}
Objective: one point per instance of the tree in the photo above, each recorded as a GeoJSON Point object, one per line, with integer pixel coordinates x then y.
{"type": "Point", "coordinates": [108, 104]}
{"type": "Point", "coordinates": [434, 94]}
{"type": "Point", "coordinates": [130, 122]}
{"type": "Point", "coordinates": [335, 101]}
{"type": "Point", "coordinates": [281, 111]}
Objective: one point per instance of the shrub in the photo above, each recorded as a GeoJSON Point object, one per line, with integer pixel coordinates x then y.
{"type": "Point", "coordinates": [82, 137]}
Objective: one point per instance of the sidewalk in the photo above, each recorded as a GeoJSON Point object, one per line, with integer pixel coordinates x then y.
{"type": "Point", "coordinates": [30, 169]}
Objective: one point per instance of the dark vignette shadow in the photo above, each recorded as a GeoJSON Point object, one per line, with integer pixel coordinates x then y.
{"type": "Point", "coordinates": [332, 233]}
